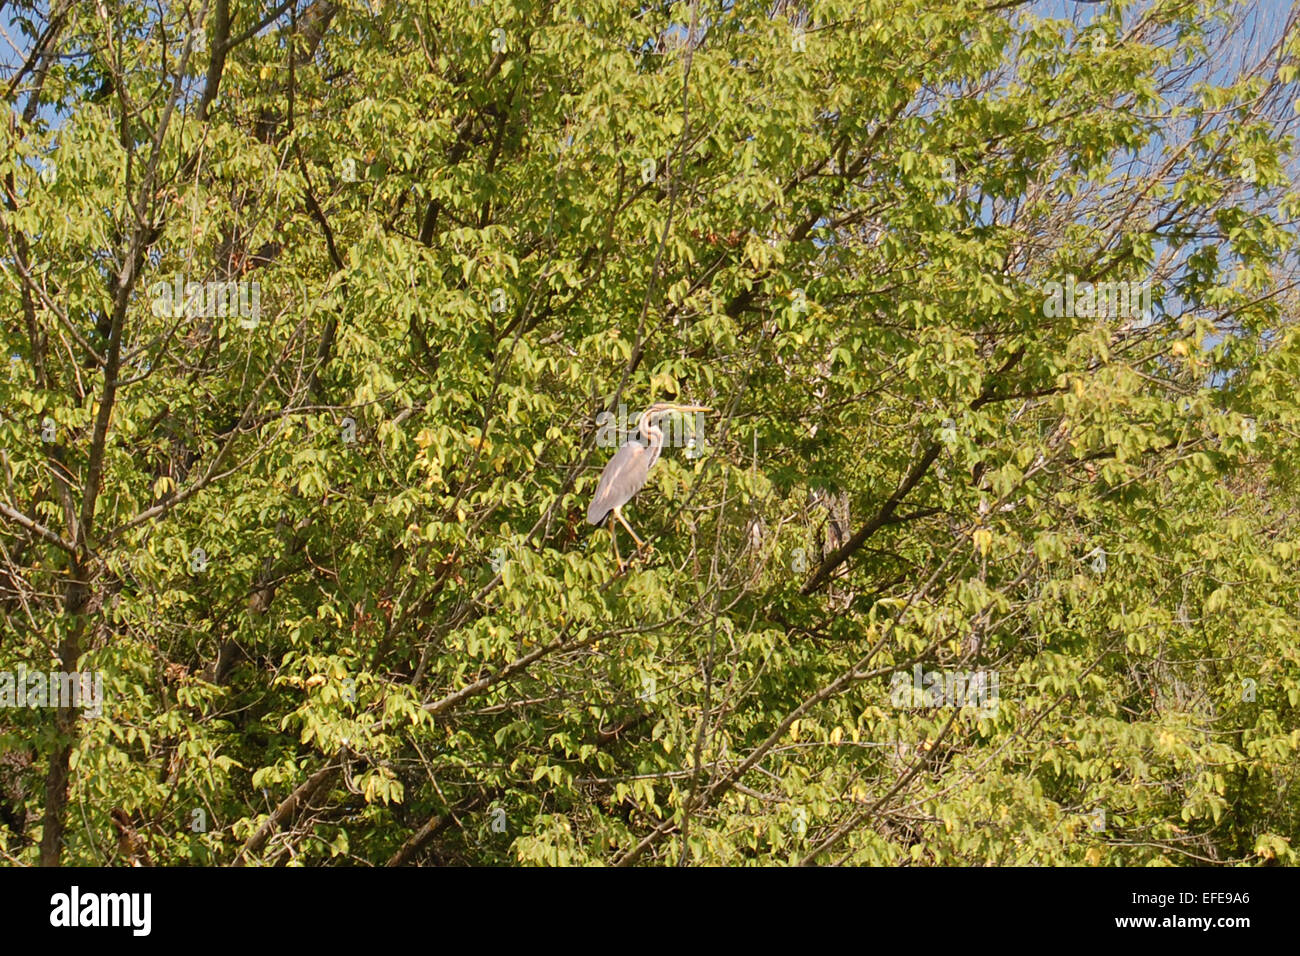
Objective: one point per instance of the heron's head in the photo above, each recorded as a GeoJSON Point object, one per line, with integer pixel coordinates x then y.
{"type": "Point", "coordinates": [662, 409]}
{"type": "Point", "coordinates": [648, 423]}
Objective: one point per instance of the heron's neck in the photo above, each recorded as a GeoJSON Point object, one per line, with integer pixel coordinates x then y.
{"type": "Point", "coordinates": [654, 437]}
{"type": "Point", "coordinates": [651, 432]}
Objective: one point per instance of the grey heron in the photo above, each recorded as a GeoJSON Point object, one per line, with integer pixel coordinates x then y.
{"type": "Point", "coordinates": [628, 470]}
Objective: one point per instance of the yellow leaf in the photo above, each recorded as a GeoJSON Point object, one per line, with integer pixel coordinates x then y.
{"type": "Point", "coordinates": [665, 382]}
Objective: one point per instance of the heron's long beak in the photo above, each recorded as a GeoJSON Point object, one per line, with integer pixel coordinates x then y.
{"type": "Point", "coordinates": [691, 408]}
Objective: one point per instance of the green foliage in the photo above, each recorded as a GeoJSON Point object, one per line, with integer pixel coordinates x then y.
{"type": "Point", "coordinates": [329, 554]}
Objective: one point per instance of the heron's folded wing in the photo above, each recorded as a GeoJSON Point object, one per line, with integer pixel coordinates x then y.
{"type": "Point", "coordinates": [621, 479]}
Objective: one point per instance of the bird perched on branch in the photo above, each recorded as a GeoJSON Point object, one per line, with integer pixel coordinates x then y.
{"type": "Point", "coordinates": [628, 470]}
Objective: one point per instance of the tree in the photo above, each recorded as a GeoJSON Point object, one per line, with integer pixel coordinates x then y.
{"type": "Point", "coordinates": [310, 316]}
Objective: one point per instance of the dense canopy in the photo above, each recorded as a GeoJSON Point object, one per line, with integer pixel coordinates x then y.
{"type": "Point", "coordinates": [988, 554]}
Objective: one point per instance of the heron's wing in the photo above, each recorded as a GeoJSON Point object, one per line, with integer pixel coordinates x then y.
{"type": "Point", "coordinates": [621, 479]}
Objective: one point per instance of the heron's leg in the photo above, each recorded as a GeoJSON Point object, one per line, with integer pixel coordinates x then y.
{"type": "Point", "coordinates": [613, 536]}
{"type": "Point", "coordinates": [623, 521]}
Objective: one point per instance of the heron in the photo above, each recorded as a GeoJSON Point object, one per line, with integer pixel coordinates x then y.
{"type": "Point", "coordinates": [628, 470]}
